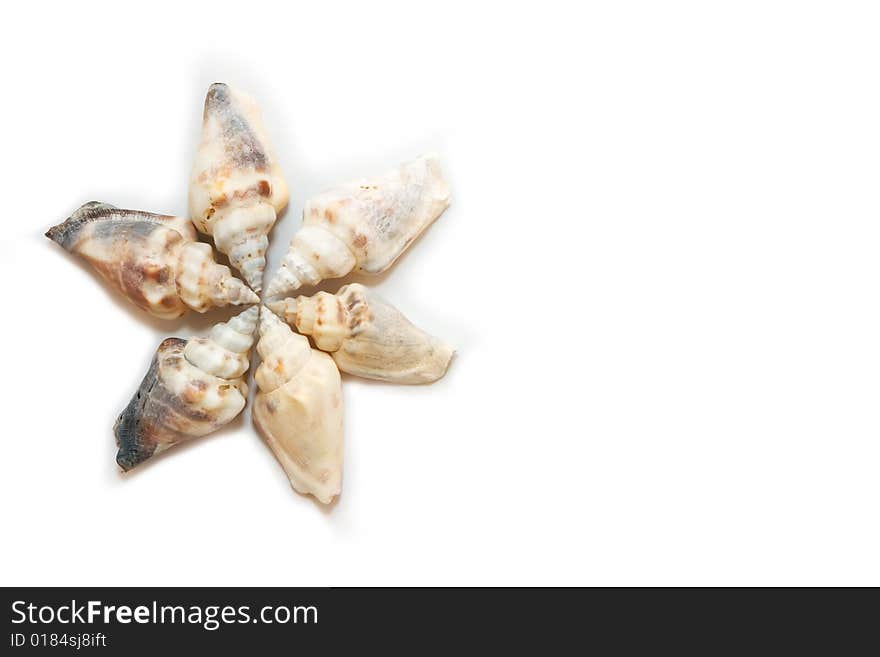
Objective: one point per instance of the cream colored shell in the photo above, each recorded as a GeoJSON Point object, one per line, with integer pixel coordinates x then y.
{"type": "Point", "coordinates": [193, 387]}
{"type": "Point", "coordinates": [298, 409]}
{"type": "Point", "coordinates": [364, 225]}
{"type": "Point", "coordinates": [367, 336]}
{"type": "Point", "coordinates": [151, 258]}
{"type": "Point", "coordinates": [236, 187]}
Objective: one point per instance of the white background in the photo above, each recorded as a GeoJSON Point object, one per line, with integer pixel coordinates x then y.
{"type": "Point", "coordinates": [660, 268]}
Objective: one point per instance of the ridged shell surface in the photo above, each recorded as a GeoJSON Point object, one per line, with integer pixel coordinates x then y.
{"type": "Point", "coordinates": [367, 336]}
{"type": "Point", "coordinates": [151, 259]}
{"type": "Point", "coordinates": [236, 187]}
{"type": "Point", "coordinates": [364, 225]}
{"type": "Point", "coordinates": [192, 388]}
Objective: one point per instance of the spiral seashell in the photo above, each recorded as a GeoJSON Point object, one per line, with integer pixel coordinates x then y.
{"type": "Point", "coordinates": [367, 336]}
{"type": "Point", "coordinates": [193, 387]}
{"type": "Point", "coordinates": [363, 226]}
{"type": "Point", "coordinates": [151, 258]}
{"type": "Point", "coordinates": [236, 188]}
{"type": "Point", "coordinates": [298, 409]}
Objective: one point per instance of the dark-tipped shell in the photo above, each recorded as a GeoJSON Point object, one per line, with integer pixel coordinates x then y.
{"type": "Point", "coordinates": [176, 401]}
{"type": "Point", "coordinates": [139, 427]}
{"type": "Point", "coordinates": [243, 146]}
{"type": "Point", "coordinates": [67, 233]}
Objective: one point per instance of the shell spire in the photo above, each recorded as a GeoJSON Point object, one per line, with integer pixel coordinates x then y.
{"type": "Point", "coordinates": [192, 388]}
{"type": "Point", "coordinates": [224, 353]}
{"type": "Point", "coordinates": [367, 336]}
{"type": "Point", "coordinates": [364, 225]}
{"type": "Point", "coordinates": [236, 187]}
{"type": "Point", "coordinates": [152, 259]}
{"type": "Point", "coordinates": [298, 409]}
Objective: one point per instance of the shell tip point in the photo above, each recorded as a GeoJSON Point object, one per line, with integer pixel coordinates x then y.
{"type": "Point", "coordinates": [276, 307]}
{"type": "Point", "coordinates": [250, 297]}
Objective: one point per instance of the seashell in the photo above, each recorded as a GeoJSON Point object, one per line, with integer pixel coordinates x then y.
{"type": "Point", "coordinates": [367, 336]}
{"type": "Point", "coordinates": [193, 387]}
{"type": "Point", "coordinates": [363, 226]}
{"type": "Point", "coordinates": [151, 258]}
{"type": "Point", "coordinates": [236, 188]}
{"type": "Point", "coordinates": [298, 408]}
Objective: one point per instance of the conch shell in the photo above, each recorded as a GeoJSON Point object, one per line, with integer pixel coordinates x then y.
{"type": "Point", "coordinates": [193, 387]}
{"type": "Point", "coordinates": [363, 226]}
{"type": "Point", "coordinates": [151, 258]}
{"type": "Point", "coordinates": [367, 336]}
{"type": "Point", "coordinates": [236, 188]}
{"type": "Point", "coordinates": [298, 409]}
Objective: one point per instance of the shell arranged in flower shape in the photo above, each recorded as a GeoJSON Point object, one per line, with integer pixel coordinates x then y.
{"type": "Point", "coordinates": [193, 387]}
{"type": "Point", "coordinates": [151, 258]}
{"type": "Point", "coordinates": [236, 188]}
{"type": "Point", "coordinates": [298, 408]}
{"type": "Point", "coordinates": [363, 226]}
{"type": "Point", "coordinates": [367, 336]}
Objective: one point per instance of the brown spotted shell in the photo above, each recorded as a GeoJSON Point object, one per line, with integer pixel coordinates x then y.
{"type": "Point", "coordinates": [236, 186]}
{"type": "Point", "coordinates": [151, 258]}
{"type": "Point", "coordinates": [191, 389]}
{"type": "Point", "coordinates": [367, 336]}
{"type": "Point", "coordinates": [363, 225]}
